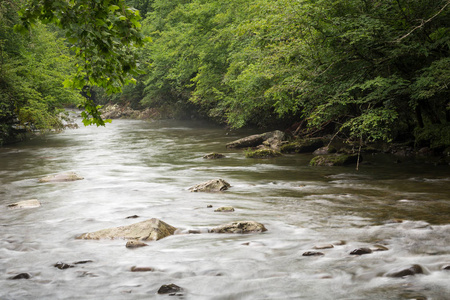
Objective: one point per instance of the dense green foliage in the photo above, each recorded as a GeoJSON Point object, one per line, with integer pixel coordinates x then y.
{"type": "Point", "coordinates": [32, 70]}
{"type": "Point", "coordinates": [364, 69]}
{"type": "Point", "coordinates": [102, 34]}
{"type": "Point", "coordinates": [368, 69]}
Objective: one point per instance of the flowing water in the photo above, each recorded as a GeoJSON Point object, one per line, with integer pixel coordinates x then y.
{"type": "Point", "coordinates": [145, 169]}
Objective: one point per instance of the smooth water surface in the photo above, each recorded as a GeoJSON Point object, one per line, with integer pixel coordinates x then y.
{"type": "Point", "coordinates": [145, 169]}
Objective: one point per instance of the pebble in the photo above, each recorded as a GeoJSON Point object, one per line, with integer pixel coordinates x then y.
{"type": "Point", "coordinates": [324, 246]}
{"type": "Point", "coordinates": [171, 289]}
{"type": "Point", "coordinates": [361, 251]}
{"type": "Point", "coordinates": [312, 253]}
{"type": "Point", "coordinates": [135, 244]}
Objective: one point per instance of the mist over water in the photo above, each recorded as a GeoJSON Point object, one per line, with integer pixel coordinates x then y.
{"type": "Point", "coordinates": [145, 169]}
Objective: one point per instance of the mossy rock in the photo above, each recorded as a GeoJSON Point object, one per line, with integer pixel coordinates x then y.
{"type": "Point", "coordinates": [213, 155]}
{"type": "Point", "coordinates": [302, 146]}
{"type": "Point", "coordinates": [262, 153]}
{"type": "Point", "coordinates": [335, 160]}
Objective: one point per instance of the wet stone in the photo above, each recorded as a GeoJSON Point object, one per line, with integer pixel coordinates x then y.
{"type": "Point", "coordinates": [142, 269]}
{"type": "Point", "coordinates": [240, 227]}
{"type": "Point", "coordinates": [21, 276]}
{"type": "Point", "coordinates": [135, 244]}
{"type": "Point", "coordinates": [213, 155]}
{"type": "Point", "coordinates": [82, 262]}
{"type": "Point", "coordinates": [411, 271]}
{"type": "Point", "coordinates": [361, 251]}
{"type": "Point", "coordinates": [62, 266]}
{"type": "Point", "coordinates": [132, 217]}
{"type": "Point", "coordinates": [379, 248]}
{"type": "Point", "coordinates": [215, 185]}
{"type": "Point", "coordinates": [32, 203]}
{"type": "Point", "coordinates": [446, 267]}
{"type": "Point", "coordinates": [209, 206]}
{"type": "Point", "coordinates": [224, 209]}
{"type": "Point", "coordinates": [170, 289]}
{"type": "Point", "coordinates": [312, 253]}
{"type": "Point", "coordinates": [323, 246]}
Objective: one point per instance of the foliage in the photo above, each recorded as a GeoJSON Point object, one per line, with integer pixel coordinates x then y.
{"type": "Point", "coordinates": [102, 34]}
{"type": "Point", "coordinates": [374, 69]}
{"type": "Point", "coordinates": [32, 70]}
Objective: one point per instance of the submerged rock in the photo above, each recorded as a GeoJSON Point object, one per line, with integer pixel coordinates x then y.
{"type": "Point", "coordinates": [240, 227]}
{"type": "Point", "coordinates": [135, 244]}
{"type": "Point", "coordinates": [312, 253]}
{"type": "Point", "coordinates": [215, 185]}
{"type": "Point", "coordinates": [63, 177]}
{"type": "Point", "coordinates": [62, 266]}
{"type": "Point", "coordinates": [21, 276]}
{"type": "Point", "coordinates": [411, 271]}
{"type": "Point", "coordinates": [361, 251]}
{"type": "Point", "coordinates": [142, 269]}
{"type": "Point", "coordinates": [335, 160]}
{"type": "Point", "coordinates": [171, 289]}
{"type": "Point", "coordinates": [323, 246]}
{"type": "Point", "coordinates": [379, 248]}
{"type": "Point", "coordinates": [148, 230]}
{"type": "Point", "coordinates": [32, 203]}
{"type": "Point", "coordinates": [262, 153]}
{"type": "Point", "coordinates": [224, 209]}
{"type": "Point", "coordinates": [213, 155]}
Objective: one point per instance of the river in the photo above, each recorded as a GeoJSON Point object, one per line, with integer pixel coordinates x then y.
{"type": "Point", "coordinates": [145, 168]}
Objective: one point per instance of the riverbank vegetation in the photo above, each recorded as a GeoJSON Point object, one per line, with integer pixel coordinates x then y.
{"type": "Point", "coordinates": [363, 70]}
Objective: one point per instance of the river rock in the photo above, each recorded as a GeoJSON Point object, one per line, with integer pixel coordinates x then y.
{"type": "Point", "coordinates": [262, 153]}
{"type": "Point", "coordinates": [411, 271]}
{"type": "Point", "coordinates": [32, 203]}
{"type": "Point", "coordinates": [240, 227]}
{"type": "Point", "coordinates": [63, 177]}
{"type": "Point", "coordinates": [171, 289]}
{"type": "Point", "coordinates": [323, 246]}
{"type": "Point", "coordinates": [213, 155]}
{"type": "Point", "coordinates": [62, 266]}
{"type": "Point", "coordinates": [224, 209]}
{"type": "Point", "coordinates": [446, 267]}
{"type": "Point", "coordinates": [21, 276]}
{"type": "Point", "coordinates": [325, 150]}
{"type": "Point", "coordinates": [148, 230]}
{"type": "Point", "coordinates": [272, 139]}
{"type": "Point", "coordinates": [361, 251]}
{"type": "Point", "coordinates": [215, 185]}
{"type": "Point", "coordinates": [135, 244]}
{"type": "Point", "coordinates": [312, 253]}
{"type": "Point", "coordinates": [379, 248]}
{"type": "Point", "coordinates": [335, 160]}
{"type": "Point", "coordinates": [302, 146]}
{"type": "Point", "coordinates": [142, 269]}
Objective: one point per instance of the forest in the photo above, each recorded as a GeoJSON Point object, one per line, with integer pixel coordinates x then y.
{"type": "Point", "coordinates": [364, 70]}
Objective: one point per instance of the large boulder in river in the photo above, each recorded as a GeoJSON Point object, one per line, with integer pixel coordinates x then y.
{"type": "Point", "coordinates": [215, 185]}
{"type": "Point", "coordinates": [302, 146]}
{"type": "Point", "coordinates": [240, 227]}
{"type": "Point", "coordinates": [148, 230]}
{"type": "Point", "coordinates": [272, 139]}
{"type": "Point", "coordinates": [63, 177]}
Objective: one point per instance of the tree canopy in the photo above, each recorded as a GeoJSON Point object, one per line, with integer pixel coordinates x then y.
{"type": "Point", "coordinates": [363, 69]}
{"type": "Point", "coordinates": [370, 70]}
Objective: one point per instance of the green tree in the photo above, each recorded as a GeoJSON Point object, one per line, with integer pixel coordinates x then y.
{"type": "Point", "coordinates": [32, 69]}
{"type": "Point", "coordinates": [102, 34]}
